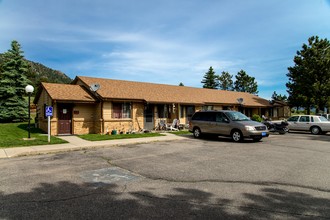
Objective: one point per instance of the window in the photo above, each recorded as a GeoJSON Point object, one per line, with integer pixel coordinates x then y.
{"type": "Point", "coordinates": [204, 116]}
{"type": "Point", "coordinates": [182, 108]}
{"type": "Point", "coordinates": [293, 118]}
{"type": "Point", "coordinates": [208, 116]}
{"type": "Point", "coordinates": [198, 116]}
{"type": "Point", "coordinates": [190, 110]}
{"type": "Point", "coordinates": [304, 119]}
{"type": "Point", "coordinates": [321, 118]}
{"type": "Point", "coordinates": [121, 110]}
{"type": "Point", "coordinates": [221, 117]}
{"type": "Point", "coordinates": [237, 116]}
{"type": "Point", "coordinates": [162, 111]}
{"type": "Point", "coordinates": [208, 107]}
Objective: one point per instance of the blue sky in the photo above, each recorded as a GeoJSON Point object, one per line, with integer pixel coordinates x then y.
{"type": "Point", "coordinates": [165, 41]}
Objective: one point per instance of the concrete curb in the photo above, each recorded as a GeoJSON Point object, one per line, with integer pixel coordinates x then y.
{"type": "Point", "coordinates": [76, 143]}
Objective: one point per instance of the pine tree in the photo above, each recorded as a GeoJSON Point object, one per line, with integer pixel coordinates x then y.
{"type": "Point", "coordinates": [309, 78]}
{"type": "Point", "coordinates": [245, 83]}
{"type": "Point", "coordinates": [13, 80]}
{"type": "Point", "coordinates": [225, 81]}
{"type": "Point", "coordinates": [279, 97]}
{"type": "Point", "coordinates": [210, 79]}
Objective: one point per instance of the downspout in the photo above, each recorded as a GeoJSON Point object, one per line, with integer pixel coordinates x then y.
{"type": "Point", "coordinates": [102, 119]}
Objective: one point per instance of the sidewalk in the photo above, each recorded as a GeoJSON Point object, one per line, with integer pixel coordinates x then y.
{"type": "Point", "coordinates": [76, 143]}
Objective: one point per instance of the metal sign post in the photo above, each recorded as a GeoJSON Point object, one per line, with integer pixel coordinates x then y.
{"type": "Point", "coordinates": [49, 113]}
{"type": "Point", "coordinates": [48, 129]}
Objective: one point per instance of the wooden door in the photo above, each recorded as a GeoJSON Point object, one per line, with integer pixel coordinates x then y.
{"type": "Point", "coordinates": [65, 119]}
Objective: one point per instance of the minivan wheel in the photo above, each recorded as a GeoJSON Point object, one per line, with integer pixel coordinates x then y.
{"type": "Point", "coordinates": [197, 133]}
{"type": "Point", "coordinates": [237, 136]}
{"type": "Point", "coordinates": [315, 130]}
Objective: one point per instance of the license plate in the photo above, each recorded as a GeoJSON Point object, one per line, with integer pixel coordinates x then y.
{"type": "Point", "coordinates": [263, 134]}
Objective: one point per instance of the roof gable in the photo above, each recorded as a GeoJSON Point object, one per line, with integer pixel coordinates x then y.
{"type": "Point", "coordinates": [67, 92]}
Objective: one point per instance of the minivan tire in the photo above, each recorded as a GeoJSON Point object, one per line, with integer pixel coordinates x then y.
{"type": "Point", "coordinates": [197, 133]}
{"type": "Point", "coordinates": [237, 136]}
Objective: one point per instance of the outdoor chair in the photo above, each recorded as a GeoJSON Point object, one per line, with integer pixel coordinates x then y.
{"type": "Point", "coordinates": [173, 126]}
{"type": "Point", "coordinates": [161, 125]}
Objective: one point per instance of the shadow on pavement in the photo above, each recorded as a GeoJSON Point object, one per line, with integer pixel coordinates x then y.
{"type": "Point", "coordinates": [297, 204]}
{"type": "Point", "coordinates": [65, 200]}
{"type": "Point", "coordinates": [308, 135]}
{"type": "Point", "coordinates": [215, 138]}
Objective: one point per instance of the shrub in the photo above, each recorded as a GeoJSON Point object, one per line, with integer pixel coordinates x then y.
{"type": "Point", "coordinates": [257, 118]}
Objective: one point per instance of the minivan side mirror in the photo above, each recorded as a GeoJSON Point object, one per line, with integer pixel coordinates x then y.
{"type": "Point", "coordinates": [226, 120]}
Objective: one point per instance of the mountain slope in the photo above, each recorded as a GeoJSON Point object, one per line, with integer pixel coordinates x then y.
{"type": "Point", "coordinates": [38, 73]}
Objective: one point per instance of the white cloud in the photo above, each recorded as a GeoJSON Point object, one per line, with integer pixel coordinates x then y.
{"type": "Point", "coordinates": [164, 41]}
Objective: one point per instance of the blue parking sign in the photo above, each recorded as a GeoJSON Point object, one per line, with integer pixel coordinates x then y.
{"type": "Point", "coordinates": [49, 111]}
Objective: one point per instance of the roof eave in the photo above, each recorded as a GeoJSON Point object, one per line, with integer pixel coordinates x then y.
{"type": "Point", "coordinates": [73, 101]}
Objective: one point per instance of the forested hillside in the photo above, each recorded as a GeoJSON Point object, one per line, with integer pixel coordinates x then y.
{"type": "Point", "coordinates": [38, 73]}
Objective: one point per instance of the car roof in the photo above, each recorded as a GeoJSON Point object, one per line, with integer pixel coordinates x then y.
{"type": "Point", "coordinates": [306, 115]}
{"type": "Point", "coordinates": [217, 111]}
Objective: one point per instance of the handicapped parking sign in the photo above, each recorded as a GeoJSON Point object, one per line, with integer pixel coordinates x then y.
{"type": "Point", "coordinates": [49, 111]}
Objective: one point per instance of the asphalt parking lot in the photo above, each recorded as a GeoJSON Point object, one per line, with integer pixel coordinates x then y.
{"type": "Point", "coordinates": [281, 177]}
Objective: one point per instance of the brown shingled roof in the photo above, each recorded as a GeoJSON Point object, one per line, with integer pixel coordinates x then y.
{"type": "Point", "coordinates": [161, 93]}
{"type": "Point", "coordinates": [67, 92]}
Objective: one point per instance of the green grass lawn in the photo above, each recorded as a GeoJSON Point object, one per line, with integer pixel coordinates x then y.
{"type": "Point", "coordinates": [100, 137]}
{"type": "Point", "coordinates": [12, 134]}
{"type": "Point", "coordinates": [182, 132]}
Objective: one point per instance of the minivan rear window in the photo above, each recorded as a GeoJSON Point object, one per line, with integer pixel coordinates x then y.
{"type": "Point", "coordinates": [204, 116]}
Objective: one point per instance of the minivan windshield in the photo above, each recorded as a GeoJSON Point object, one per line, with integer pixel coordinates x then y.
{"type": "Point", "coordinates": [237, 116]}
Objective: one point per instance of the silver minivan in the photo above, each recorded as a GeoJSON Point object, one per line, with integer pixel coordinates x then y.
{"type": "Point", "coordinates": [227, 123]}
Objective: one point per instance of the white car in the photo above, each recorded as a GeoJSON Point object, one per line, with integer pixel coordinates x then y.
{"type": "Point", "coordinates": [327, 116]}
{"type": "Point", "coordinates": [314, 123]}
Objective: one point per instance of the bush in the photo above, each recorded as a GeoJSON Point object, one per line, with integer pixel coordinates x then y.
{"type": "Point", "coordinates": [257, 118]}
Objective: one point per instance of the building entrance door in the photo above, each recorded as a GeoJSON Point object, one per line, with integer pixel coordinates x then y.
{"type": "Point", "coordinates": [64, 119]}
{"type": "Point", "coordinates": [149, 117]}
